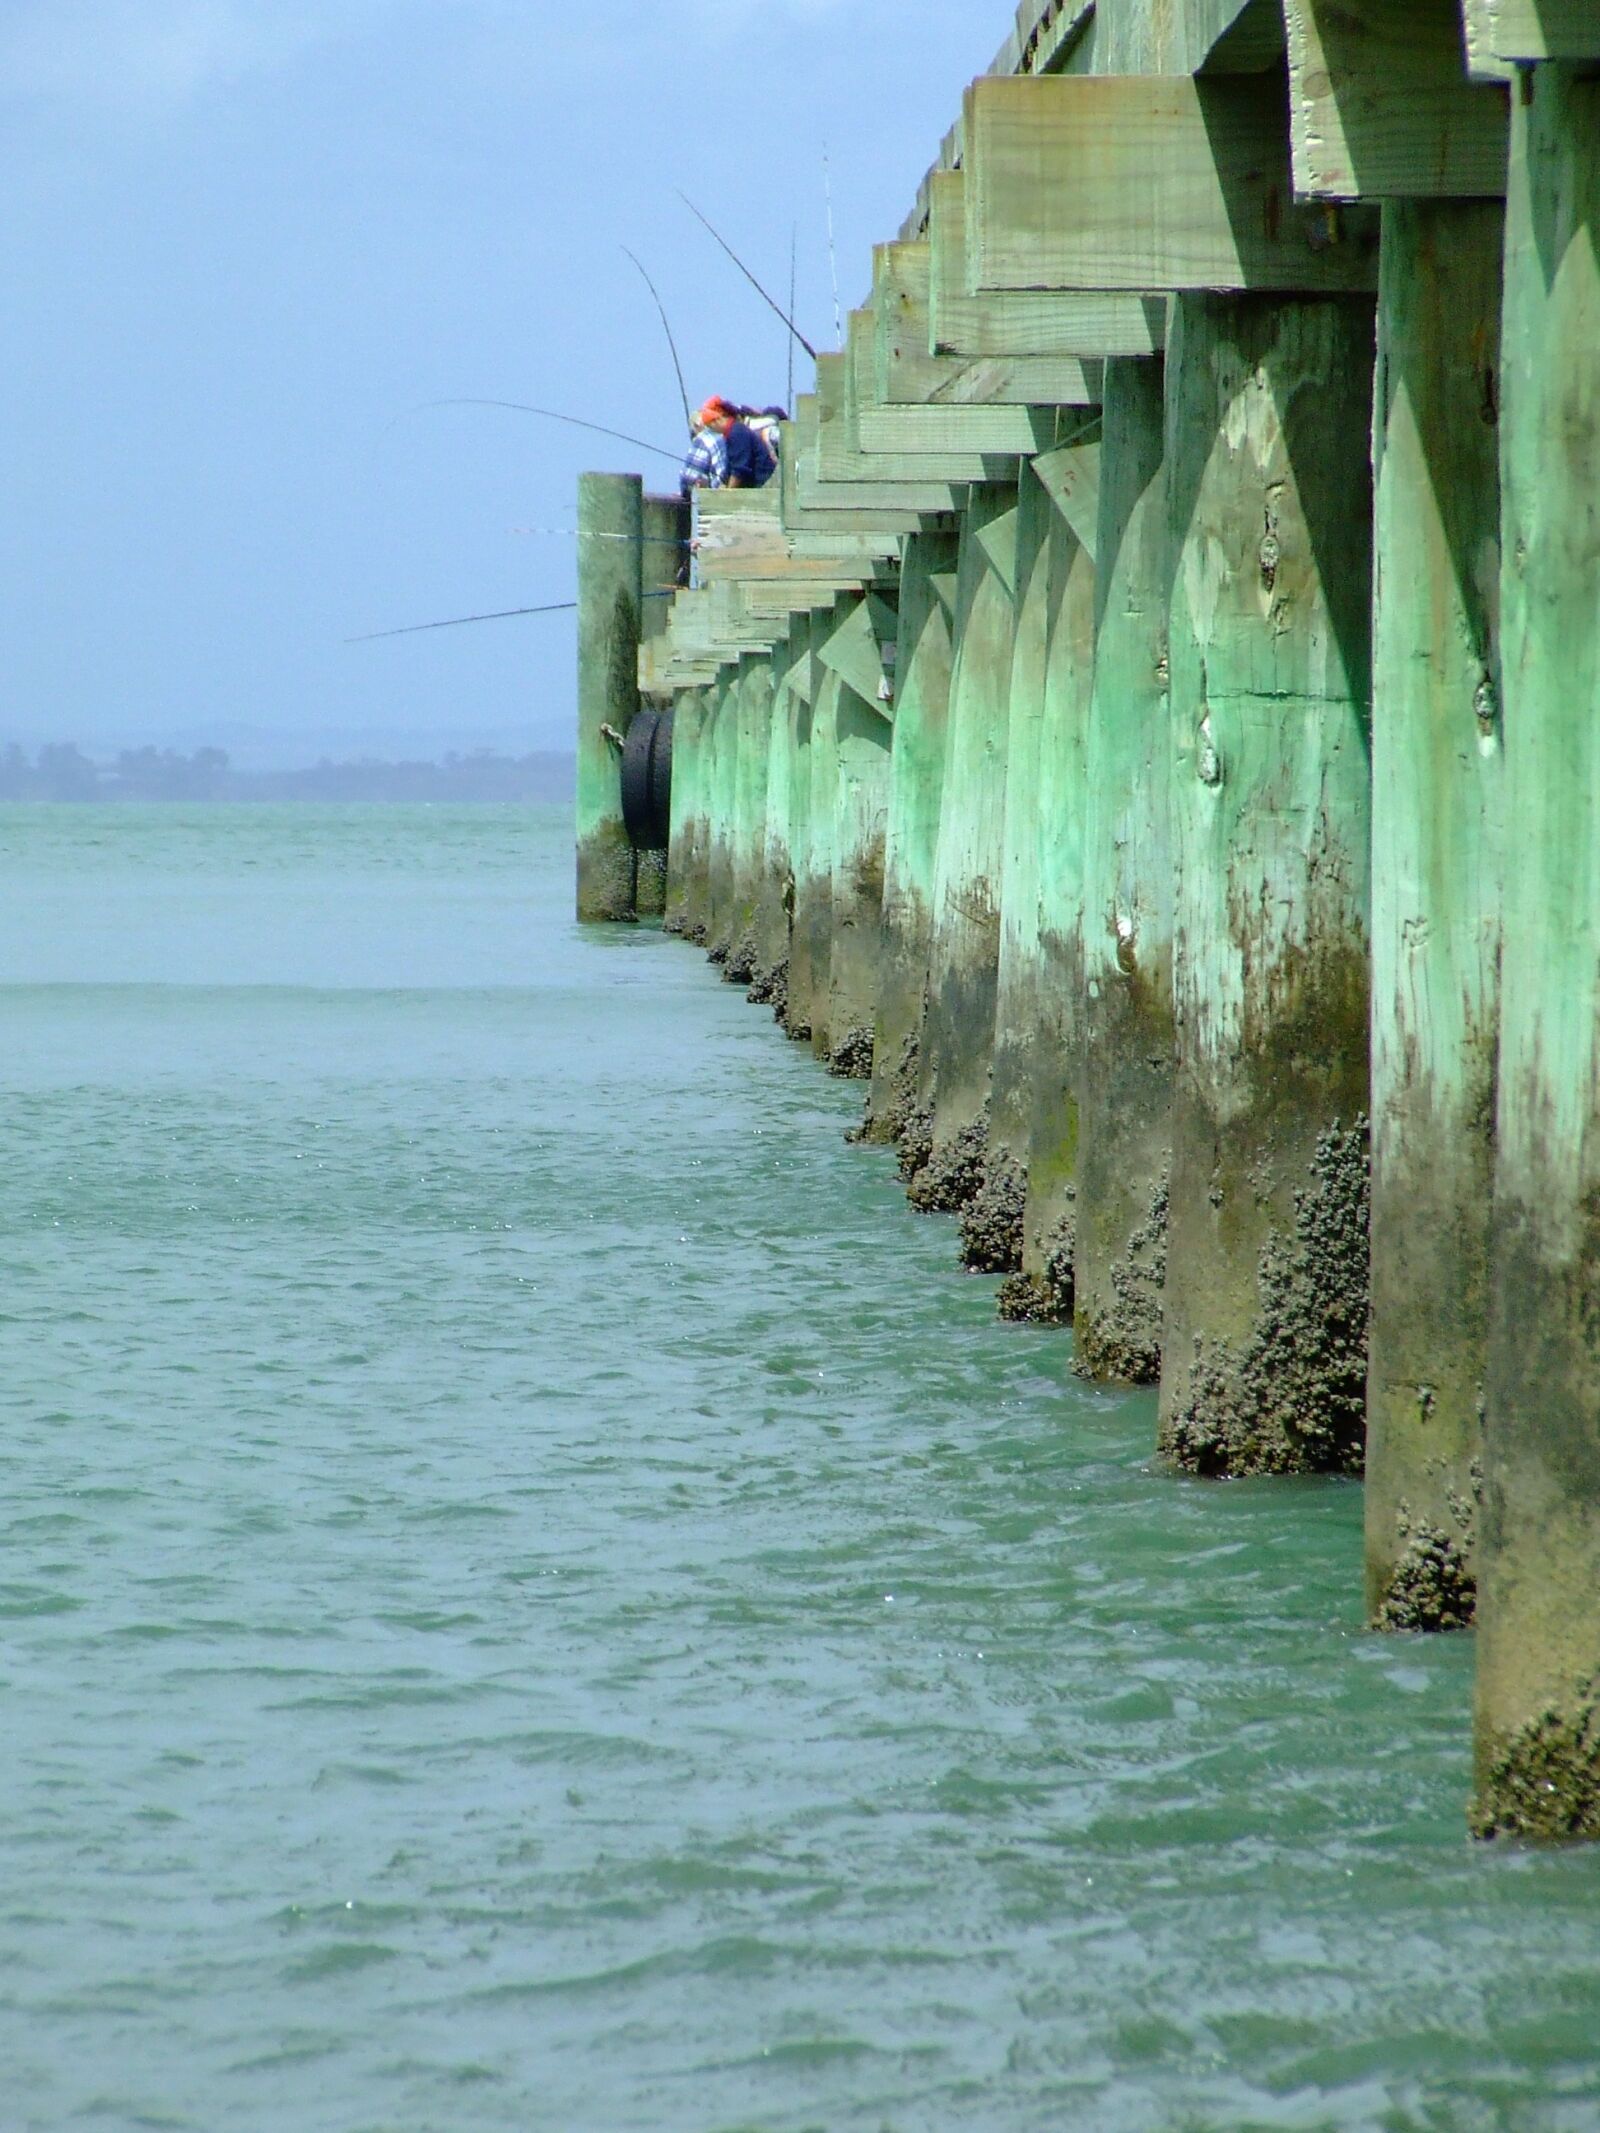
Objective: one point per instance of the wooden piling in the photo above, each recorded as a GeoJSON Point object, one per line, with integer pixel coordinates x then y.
{"type": "Point", "coordinates": [964, 954]}
{"type": "Point", "coordinates": [1437, 797]}
{"type": "Point", "coordinates": [610, 590]}
{"type": "Point", "coordinates": [1120, 1232]}
{"type": "Point", "coordinates": [1264, 1343]}
{"type": "Point", "coordinates": [1538, 1692]}
{"type": "Point", "coordinates": [916, 781]}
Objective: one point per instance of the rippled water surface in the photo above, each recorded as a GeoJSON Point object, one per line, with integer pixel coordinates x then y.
{"type": "Point", "coordinates": [534, 1597]}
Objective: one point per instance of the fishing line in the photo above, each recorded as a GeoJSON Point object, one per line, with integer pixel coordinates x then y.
{"type": "Point", "coordinates": [553, 414]}
{"type": "Point", "coordinates": [502, 614]}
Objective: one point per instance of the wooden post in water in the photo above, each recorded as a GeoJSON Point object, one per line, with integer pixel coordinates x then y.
{"type": "Point", "coordinates": [1043, 1290]}
{"type": "Point", "coordinates": [812, 954]}
{"type": "Point", "coordinates": [1437, 794]}
{"type": "Point", "coordinates": [964, 957]}
{"type": "Point", "coordinates": [1268, 420]}
{"type": "Point", "coordinates": [684, 890]}
{"type": "Point", "coordinates": [664, 527]}
{"type": "Point", "coordinates": [610, 589]}
{"type": "Point", "coordinates": [916, 778]}
{"type": "Point", "coordinates": [769, 974]}
{"type": "Point", "coordinates": [862, 738]}
{"type": "Point", "coordinates": [1125, 1147]}
{"type": "Point", "coordinates": [992, 1221]}
{"type": "Point", "coordinates": [721, 786]}
{"type": "Point", "coordinates": [752, 745]}
{"type": "Point", "coordinates": [1538, 1695]}
{"type": "Point", "coordinates": [795, 1018]}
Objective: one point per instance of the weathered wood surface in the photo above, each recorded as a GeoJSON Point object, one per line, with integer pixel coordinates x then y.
{"type": "Point", "coordinates": [906, 371]}
{"type": "Point", "coordinates": [1538, 1714]}
{"type": "Point", "coordinates": [1381, 107]}
{"type": "Point", "coordinates": [958, 1031]}
{"type": "Point", "coordinates": [1263, 1348]}
{"type": "Point", "coordinates": [1147, 184]}
{"type": "Point", "coordinates": [1505, 32]}
{"type": "Point", "coordinates": [1437, 802]}
{"type": "Point", "coordinates": [1088, 324]}
{"type": "Point", "coordinates": [1124, 966]}
{"type": "Point", "coordinates": [925, 632]}
{"type": "Point", "coordinates": [610, 589]}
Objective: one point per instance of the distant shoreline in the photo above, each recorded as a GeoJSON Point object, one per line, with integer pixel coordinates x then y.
{"type": "Point", "coordinates": [60, 773]}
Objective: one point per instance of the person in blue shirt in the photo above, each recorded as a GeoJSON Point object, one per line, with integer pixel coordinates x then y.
{"type": "Point", "coordinates": [747, 463]}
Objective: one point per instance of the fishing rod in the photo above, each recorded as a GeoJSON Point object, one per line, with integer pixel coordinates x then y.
{"type": "Point", "coordinates": [552, 414]}
{"type": "Point", "coordinates": [683, 390]}
{"type": "Point", "coordinates": [794, 267]}
{"type": "Point", "coordinates": [770, 301]}
{"type": "Point", "coordinates": [503, 614]}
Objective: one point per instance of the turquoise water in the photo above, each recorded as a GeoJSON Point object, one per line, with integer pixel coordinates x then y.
{"type": "Point", "coordinates": [533, 1596]}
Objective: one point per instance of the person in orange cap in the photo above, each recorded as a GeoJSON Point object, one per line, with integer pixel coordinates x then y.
{"type": "Point", "coordinates": [748, 463]}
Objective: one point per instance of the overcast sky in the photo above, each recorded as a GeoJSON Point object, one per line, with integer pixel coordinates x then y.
{"type": "Point", "coordinates": [244, 239]}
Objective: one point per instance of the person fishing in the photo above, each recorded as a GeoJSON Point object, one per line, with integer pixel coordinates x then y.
{"type": "Point", "coordinates": [748, 462]}
{"type": "Point", "coordinates": [706, 464]}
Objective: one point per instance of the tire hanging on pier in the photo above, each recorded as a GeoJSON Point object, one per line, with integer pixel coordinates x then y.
{"type": "Point", "coordinates": [647, 781]}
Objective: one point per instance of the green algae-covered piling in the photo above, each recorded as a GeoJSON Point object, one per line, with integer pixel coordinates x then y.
{"type": "Point", "coordinates": [769, 975]}
{"type": "Point", "coordinates": [1126, 1125]}
{"type": "Point", "coordinates": [1043, 1289]}
{"type": "Point", "coordinates": [1538, 1702]}
{"type": "Point", "coordinates": [753, 701]}
{"type": "Point", "coordinates": [610, 595]}
{"type": "Point", "coordinates": [682, 871]}
{"type": "Point", "coordinates": [916, 780]}
{"type": "Point", "coordinates": [1268, 412]}
{"type": "Point", "coordinates": [1438, 765]}
{"type": "Point", "coordinates": [964, 951]}
{"type": "Point", "coordinates": [811, 955]}
{"type": "Point", "coordinates": [992, 1221]}
{"type": "Point", "coordinates": [861, 812]}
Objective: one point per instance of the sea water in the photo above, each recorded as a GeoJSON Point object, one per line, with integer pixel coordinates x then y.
{"type": "Point", "coordinates": [534, 1595]}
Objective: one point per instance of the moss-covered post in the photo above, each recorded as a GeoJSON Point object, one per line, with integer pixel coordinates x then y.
{"type": "Point", "coordinates": [1437, 769]}
{"type": "Point", "coordinates": [1538, 1697]}
{"type": "Point", "coordinates": [1126, 1115]}
{"type": "Point", "coordinates": [964, 953]}
{"type": "Point", "coordinates": [862, 737]}
{"type": "Point", "coordinates": [810, 968]}
{"type": "Point", "coordinates": [916, 777]}
{"type": "Point", "coordinates": [1268, 458]}
{"type": "Point", "coordinates": [791, 999]}
{"type": "Point", "coordinates": [1043, 1290]}
{"type": "Point", "coordinates": [610, 588]}
{"type": "Point", "coordinates": [752, 745]}
{"type": "Point", "coordinates": [664, 524]}
{"type": "Point", "coordinates": [721, 786]}
{"type": "Point", "coordinates": [992, 1221]}
{"type": "Point", "coordinates": [683, 886]}
{"type": "Point", "coordinates": [769, 976]}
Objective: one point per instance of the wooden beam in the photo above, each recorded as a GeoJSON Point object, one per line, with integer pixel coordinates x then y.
{"type": "Point", "coordinates": [905, 372]}
{"type": "Point", "coordinates": [1023, 322]}
{"type": "Point", "coordinates": [853, 648]}
{"type": "Point", "coordinates": [1071, 478]}
{"type": "Point", "coordinates": [1380, 107]}
{"type": "Point", "coordinates": [1512, 32]}
{"type": "Point", "coordinates": [839, 457]}
{"type": "Point", "coordinates": [1145, 183]}
{"type": "Point", "coordinates": [1008, 431]}
{"type": "Point", "coordinates": [857, 489]}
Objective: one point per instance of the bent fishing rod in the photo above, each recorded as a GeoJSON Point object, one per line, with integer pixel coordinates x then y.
{"type": "Point", "coordinates": [770, 301]}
